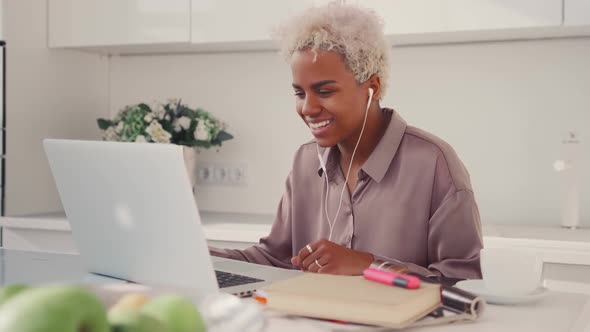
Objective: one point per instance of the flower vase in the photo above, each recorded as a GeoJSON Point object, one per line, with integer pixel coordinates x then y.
{"type": "Point", "coordinates": [190, 160]}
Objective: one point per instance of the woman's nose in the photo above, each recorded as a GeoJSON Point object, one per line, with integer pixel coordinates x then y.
{"type": "Point", "coordinates": [311, 106]}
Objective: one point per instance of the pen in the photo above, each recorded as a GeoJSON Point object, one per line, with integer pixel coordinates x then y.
{"type": "Point", "coordinates": [392, 278]}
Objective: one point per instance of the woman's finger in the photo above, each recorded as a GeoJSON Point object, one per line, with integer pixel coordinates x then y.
{"type": "Point", "coordinates": [317, 263]}
{"type": "Point", "coordinates": [309, 260]}
{"type": "Point", "coordinates": [305, 252]}
{"type": "Point", "coordinates": [327, 268]}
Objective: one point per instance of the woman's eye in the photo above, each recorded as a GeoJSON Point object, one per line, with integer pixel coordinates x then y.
{"type": "Point", "coordinates": [299, 93]}
{"type": "Point", "coordinates": [325, 92]}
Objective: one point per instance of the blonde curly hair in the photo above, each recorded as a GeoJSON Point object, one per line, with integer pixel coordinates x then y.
{"type": "Point", "coordinates": [354, 32]}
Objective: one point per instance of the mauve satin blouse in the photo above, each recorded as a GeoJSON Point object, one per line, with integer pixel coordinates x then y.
{"type": "Point", "coordinates": [413, 205]}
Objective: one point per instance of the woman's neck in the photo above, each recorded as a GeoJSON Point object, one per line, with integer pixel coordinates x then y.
{"type": "Point", "coordinates": [374, 130]}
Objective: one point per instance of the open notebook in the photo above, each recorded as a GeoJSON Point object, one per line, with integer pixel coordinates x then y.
{"type": "Point", "coordinates": [352, 299]}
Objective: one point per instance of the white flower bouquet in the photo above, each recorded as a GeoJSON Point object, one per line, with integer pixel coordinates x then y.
{"type": "Point", "coordinates": [171, 122]}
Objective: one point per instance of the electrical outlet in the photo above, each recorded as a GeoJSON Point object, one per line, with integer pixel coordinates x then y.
{"type": "Point", "coordinates": [236, 175]}
{"type": "Point", "coordinates": [205, 173]}
{"type": "Point", "coordinates": [222, 174]}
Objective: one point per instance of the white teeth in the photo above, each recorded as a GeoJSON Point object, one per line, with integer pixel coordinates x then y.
{"type": "Point", "coordinates": [319, 124]}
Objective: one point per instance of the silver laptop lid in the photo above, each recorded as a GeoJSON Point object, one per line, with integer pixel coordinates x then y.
{"type": "Point", "coordinates": [132, 212]}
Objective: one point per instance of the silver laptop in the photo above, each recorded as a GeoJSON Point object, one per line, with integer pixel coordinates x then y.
{"type": "Point", "coordinates": [134, 217]}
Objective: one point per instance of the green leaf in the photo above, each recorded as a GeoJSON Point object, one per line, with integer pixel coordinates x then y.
{"type": "Point", "coordinates": [223, 136]}
{"type": "Point", "coordinates": [203, 144]}
{"type": "Point", "coordinates": [144, 107]}
{"type": "Point", "coordinates": [104, 123]}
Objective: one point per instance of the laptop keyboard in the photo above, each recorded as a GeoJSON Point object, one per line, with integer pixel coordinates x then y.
{"type": "Point", "coordinates": [226, 279]}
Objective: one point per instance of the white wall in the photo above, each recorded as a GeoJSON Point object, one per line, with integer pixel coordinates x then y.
{"type": "Point", "coordinates": [1, 19]}
{"type": "Point", "coordinates": [250, 91]}
{"type": "Point", "coordinates": [50, 93]}
{"type": "Point", "coordinates": [504, 106]}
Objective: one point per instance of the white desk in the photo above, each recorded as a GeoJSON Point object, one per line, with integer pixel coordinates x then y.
{"type": "Point", "coordinates": [555, 313]}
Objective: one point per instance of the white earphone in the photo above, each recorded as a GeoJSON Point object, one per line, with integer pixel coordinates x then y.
{"type": "Point", "coordinates": [325, 172]}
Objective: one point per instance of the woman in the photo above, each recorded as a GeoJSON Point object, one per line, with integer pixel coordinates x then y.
{"type": "Point", "coordinates": [369, 186]}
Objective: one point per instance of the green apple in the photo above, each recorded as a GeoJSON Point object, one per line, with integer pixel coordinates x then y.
{"type": "Point", "coordinates": [54, 308]}
{"type": "Point", "coordinates": [176, 312]}
{"type": "Point", "coordinates": [7, 292]}
{"type": "Point", "coordinates": [131, 320]}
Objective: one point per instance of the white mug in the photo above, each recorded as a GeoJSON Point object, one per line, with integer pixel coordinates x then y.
{"type": "Point", "coordinates": [511, 271]}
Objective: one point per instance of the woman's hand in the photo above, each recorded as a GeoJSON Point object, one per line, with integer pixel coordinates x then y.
{"type": "Point", "coordinates": [324, 256]}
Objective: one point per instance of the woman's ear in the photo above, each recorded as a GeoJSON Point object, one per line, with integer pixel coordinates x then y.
{"type": "Point", "coordinates": [374, 82]}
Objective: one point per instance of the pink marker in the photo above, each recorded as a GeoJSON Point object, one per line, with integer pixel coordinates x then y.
{"type": "Point", "coordinates": [391, 278]}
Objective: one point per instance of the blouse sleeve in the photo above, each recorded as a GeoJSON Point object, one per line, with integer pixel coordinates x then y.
{"type": "Point", "coordinates": [454, 240]}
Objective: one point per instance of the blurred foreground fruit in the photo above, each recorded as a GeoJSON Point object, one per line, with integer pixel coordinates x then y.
{"type": "Point", "coordinates": [176, 312]}
{"type": "Point", "coordinates": [9, 291]}
{"type": "Point", "coordinates": [132, 301]}
{"type": "Point", "coordinates": [53, 309]}
{"type": "Point", "coordinates": [131, 320]}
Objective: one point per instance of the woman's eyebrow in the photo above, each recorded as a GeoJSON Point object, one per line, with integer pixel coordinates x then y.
{"type": "Point", "coordinates": [315, 85]}
{"type": "Point", "coordinates": [319, 84]}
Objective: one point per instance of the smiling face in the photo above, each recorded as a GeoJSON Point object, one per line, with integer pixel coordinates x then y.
{"type": "Point", "coordinates": [328, 97]}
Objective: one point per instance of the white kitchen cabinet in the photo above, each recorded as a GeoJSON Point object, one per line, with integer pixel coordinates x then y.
{"type": "Point", "coordinates": [576, 12]}
{"type": "Point", "coordinates": [95, 23]}
{"type": "Point", "coordinates": [431, 16]}
{"type": "Point", "coordinates": [174, 26]}
{"type": "Point", "coordinates": [220, 21]}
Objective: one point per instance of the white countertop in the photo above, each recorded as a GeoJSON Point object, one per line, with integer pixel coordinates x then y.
{"type": "Point", "coordinates": [549, 233]}
{"type": "Point", "coordinates": [54, 221]}
{"type": "Point", "coordinates": [232, 227]}
{"type": "Point", "coordinates": [566, 252]}
{"type": "Point", "coordinates": [571, 245]}
{"type": "Point", "coordinates": [553, 243]}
